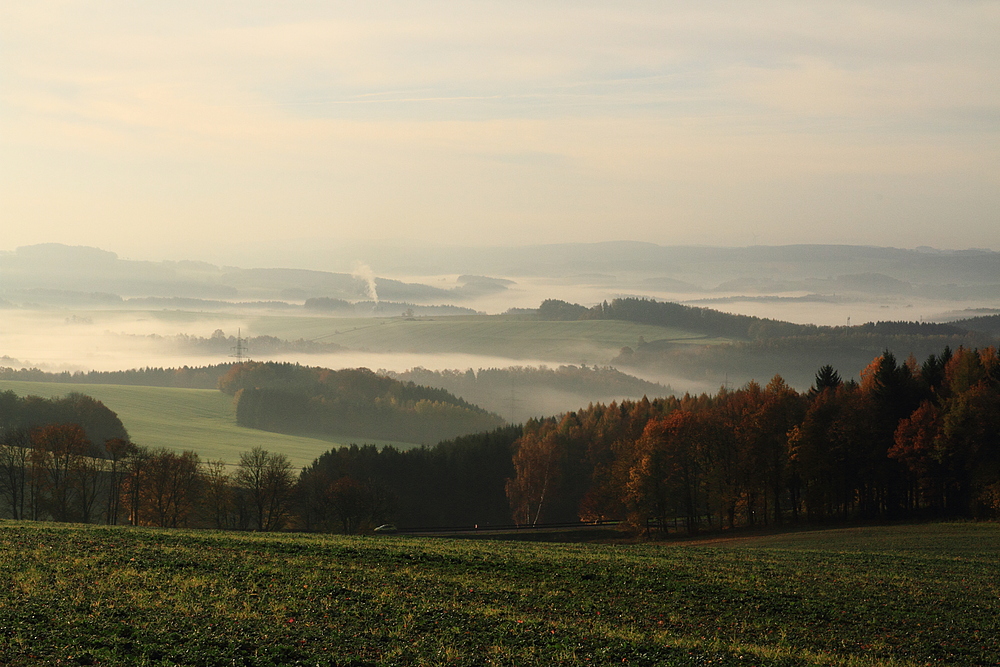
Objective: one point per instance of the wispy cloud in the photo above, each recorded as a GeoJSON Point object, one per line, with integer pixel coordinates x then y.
{"type": "Point", "coordinates": [667, 122]}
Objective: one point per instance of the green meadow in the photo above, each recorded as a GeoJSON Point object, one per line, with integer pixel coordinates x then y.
{"type": "Point", "coordinates": [895, 596]}
{"type": "Point", "coordinates": [203, 420]}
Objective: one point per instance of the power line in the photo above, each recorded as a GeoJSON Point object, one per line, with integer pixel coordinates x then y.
{"type": "Point", "coordinates": [240, 349]}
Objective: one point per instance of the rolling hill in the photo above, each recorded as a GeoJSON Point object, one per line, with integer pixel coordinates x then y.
{"type": "Point", "coordinates": [203, 420]}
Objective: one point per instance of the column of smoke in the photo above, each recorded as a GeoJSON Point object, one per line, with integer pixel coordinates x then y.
{"type": "Point", "coordinates": [364, 273]}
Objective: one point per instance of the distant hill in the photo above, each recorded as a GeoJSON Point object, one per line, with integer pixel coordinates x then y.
{"type": "Point", "coordinates": [380, 308]}
{"type": "Point", "coordinates": [822, 269]}
{"type": "Point", "coordinates": [523, 392]}
{"type": "Point", "coordinates": [925, 271]}
{"type": "Point", "coordinates": [53, 273]}
{"type": "Point", "coordinates": [988, 324]}
{"type": "Point", "coordinates": [715, 323]}
{"type": "Point", "coordinates": [666, 314]}
{"type": "Point", "coordinates": [762, 347]}
{"type": "Point", "coordinates": [795, 358]}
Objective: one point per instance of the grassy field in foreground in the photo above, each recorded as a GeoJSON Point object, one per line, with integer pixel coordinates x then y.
{"type": "Point", "coordinates": [115, 596]}
{"type": "Point", "coordinates": [591, 342]}
{"type": "Point", "coordinates": [200, 419]}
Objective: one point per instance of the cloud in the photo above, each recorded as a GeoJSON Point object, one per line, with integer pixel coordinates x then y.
{"type": "Point", "coordinates": [551, 119]}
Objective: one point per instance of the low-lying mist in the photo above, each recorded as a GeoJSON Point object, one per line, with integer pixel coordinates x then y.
{"type": "Point", "coordinates": [110, 341]}
{"type": "Point", "coordinates": [78, 309]}
{"type": "Point", "coordinates": [798, 307]}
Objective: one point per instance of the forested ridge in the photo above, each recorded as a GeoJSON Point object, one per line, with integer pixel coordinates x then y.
{"type": "Point", "coordinates": [289, 398]}
{"type": "Point", "coordinates": [715, 323]}
{"type": "Point", "coordinates": [663, 313]}
{"type": "Point", "coordinates": [760, 347]}
{"type": "Point", "coordinates": [792, 357]}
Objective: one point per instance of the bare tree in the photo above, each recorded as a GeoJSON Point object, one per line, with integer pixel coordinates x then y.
{"type": "Point", "coordinates": [268, 480]}
{"type": "Point", "coordinates": [89, 480]}
{"type": "Point", "coordinates": [132, 485]}
{"type": "Point", "coordinates": [14, 470]}
{"type": "Point", "coordinates": [56, 456]}
{"type": "Point", "coordinates": [220, 496]}
{"type": "Point", "coordinates": [119, 451]}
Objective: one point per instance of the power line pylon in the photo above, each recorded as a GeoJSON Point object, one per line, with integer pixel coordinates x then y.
{"type": "Point", "coordinates": [240, 349]}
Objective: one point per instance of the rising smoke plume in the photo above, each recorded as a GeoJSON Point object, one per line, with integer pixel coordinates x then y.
{"type": "Point", "coordinates": [364, 273]}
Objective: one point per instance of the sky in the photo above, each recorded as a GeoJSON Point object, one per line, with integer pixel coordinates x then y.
{"type": "Point", "coordinates": [191, 129]}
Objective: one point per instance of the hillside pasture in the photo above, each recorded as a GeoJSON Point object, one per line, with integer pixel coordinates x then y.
{"type": "Point", "coordinates": [590, 341]}
{"type": "Point", "coordinates": [203, 420]}
{"type": "Point", "coordinates": [92, 595]}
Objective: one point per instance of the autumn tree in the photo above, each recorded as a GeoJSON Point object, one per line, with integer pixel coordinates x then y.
{"type": "Point", "coordinates": [892, 393]}
{"type": "Point", "coordinates": [968, 446]}
{"type": "Point", "coordinates": [169, 485]}
{"type": "Point", "coordinates": [915, 446]}
{"type": "Point", "coordinates": [667, 479]}
{"type": "Point", "coordinates": [781, 410]}
{"type": "Point", "coordinates": [723, 478]}
{"type": "Point", "coordinates": [817, 455]}
{"type": "Point", "coordinates": [90, 479]}
{"type": "Point", "coordinates": [537, 472]}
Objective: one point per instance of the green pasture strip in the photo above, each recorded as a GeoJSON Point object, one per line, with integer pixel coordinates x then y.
{"type": "Point", "coordinates": [592, 342]}
{"type": "Point", "coordinates": [120, 596]}
{"type": "Point", "coordinates": [203, 420]}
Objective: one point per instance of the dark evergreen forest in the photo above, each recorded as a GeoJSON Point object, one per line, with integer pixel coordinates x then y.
{"type": "Point", "coordinates": [289, 398]}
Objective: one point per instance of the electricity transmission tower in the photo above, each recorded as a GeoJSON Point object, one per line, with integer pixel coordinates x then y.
{"type": "Point", "coordinates": [240, 350]}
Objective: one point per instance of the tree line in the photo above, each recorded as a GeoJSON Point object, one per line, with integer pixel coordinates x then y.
{"type": "Point", "coordinates": [908, 440]}
{"type": "Point", "coordinates": [55, 472]}
{"type": "Point", "coordinates": [190, 377]}
{"type": "Point", "coordinates": [70, 459]}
